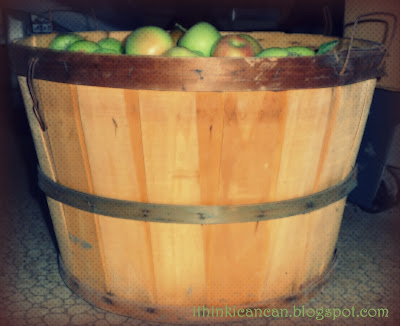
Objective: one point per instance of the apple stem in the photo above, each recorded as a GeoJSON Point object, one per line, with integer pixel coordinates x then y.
{"type": "Point", "coordinates": [180, 27]}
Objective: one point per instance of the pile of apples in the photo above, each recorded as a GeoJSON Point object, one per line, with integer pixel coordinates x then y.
{"type": "Point", "coordinates": [201, 40]}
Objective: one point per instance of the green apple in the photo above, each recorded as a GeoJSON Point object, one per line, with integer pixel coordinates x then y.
{"type": "Point", "coordinates": [200, 38]}
{"type": "Point", "coordinates": [326, 47]}
{"type": "Point", "coordinates": [300, 51]}
{"type": "Point", "coordinates": [273, 52]}
{"type": "Point", "coordinates": [257, 48]}
{"type": "Point", "coordinates": [178, 51]}
{"type": "Point", "coordinates": [111, 43]}
{"type": "Point", "coordinates": [106, 51]}
{"type": "Point", "coordinates": [62, 41]}
{"type": "Point", "coordinates": [148, 40]}
{"type": "Point", "coordinates": [83, 46]}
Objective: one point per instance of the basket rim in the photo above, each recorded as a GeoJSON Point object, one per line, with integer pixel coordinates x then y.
{"type": "Point", "coordinates": [204, 74]}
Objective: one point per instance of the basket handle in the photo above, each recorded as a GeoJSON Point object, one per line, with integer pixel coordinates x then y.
{"type": "Point", "coordinates": [390, 42]}
{"type": "Point", "coordinates": [29, 80]}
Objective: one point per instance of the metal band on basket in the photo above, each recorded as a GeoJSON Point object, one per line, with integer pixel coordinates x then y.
{"type": "Point", "coordinates": [195, 214]}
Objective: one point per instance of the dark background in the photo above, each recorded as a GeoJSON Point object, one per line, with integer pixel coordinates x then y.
{"type": "Point", "coordinates": [308, 16]}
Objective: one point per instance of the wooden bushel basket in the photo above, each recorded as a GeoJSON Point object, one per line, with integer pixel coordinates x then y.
{"type": "Point", "coordinates": [195, 148]}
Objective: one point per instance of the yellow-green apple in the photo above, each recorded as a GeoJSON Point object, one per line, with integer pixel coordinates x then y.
{"type": "Point", "coordinates": [232, 46]}
{"type": "Point", "coordinates": [300, 51]}
{"type": "Point", "coordinates": [148, 40]}
{"type": "Point", "coordinates": [83, 46]}
{"type": "Point", "coordinates": [200, 38]}
{"type": "Point", "coordinates": [62, 41]}
{"type": "Point", "coordinates": [178, 51]}
{"type": "Point", "coordinates": [254, 43]}
{"type": "Point", "coordinates": [273, 52]}
{"type": "Point", "coordinates": [111, 43]}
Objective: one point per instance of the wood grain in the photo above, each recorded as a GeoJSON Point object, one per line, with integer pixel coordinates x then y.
{"type": "Point", "coordinates": [250, 157]}
{"type": "Point", "coordinates": [170, 147]}
{"type": "Point", "coordinates": [59, 106]}
{"type": "Point", "coordinates": [114, 153]}
{"type": "Point", "coordinates": [43, 151]}
{"type": "Point", "coordinates": [349, 110]}
{"type": "Point", "coordinates": [306, 122]}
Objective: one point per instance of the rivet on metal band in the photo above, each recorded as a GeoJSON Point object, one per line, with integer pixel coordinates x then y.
{"type": "Point", "coordinates": [195, 214]}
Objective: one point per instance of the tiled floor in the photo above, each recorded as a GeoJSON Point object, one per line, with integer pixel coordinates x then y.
{"type": "Point", "coordinates": [32, 292]}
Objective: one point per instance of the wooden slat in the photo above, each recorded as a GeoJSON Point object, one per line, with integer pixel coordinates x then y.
{"type": "Point", "coordinates": [307, 120]}
{"type": "Point", "coordinates": [45, 158]}
{"type": "Point", "coordinates": [306, 123]}
{"type": "Point", "coordinates": [369, 93]}
{"type": "Point", "coordinates": [347, 122]}
{"type": "Point", "coordinates": [349, 112]}
{"type": "Point", "coordinates": [326, 218]}
{"type": "Point", "coordinates": [43, 151]}
{"type": "Point", "coordinates": [251, 149]}
{"type": "Point", "coordinates": [62, 119]}
{"type": "Point", "coordinates": [323, 230]}
{"type": "Point", "coordinates": [111, 128]}
{"type": "Point", "coordinates": [252, 138]}
{"type": "Point", "coordinates": [210, 123]}
{"type": "Point", "coordinates": [170, 147]}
